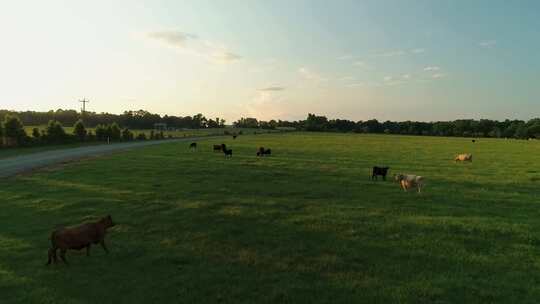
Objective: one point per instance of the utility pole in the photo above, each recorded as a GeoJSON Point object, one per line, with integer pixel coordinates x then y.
{"type": "Point", "coordinates": [84, 101]}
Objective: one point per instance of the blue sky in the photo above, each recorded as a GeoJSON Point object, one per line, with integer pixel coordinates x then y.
{"type": "Point", "coordinates": [398, 60]}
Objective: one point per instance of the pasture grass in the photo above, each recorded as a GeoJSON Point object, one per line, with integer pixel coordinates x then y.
{"type": "Point", "coordinates": [16, 151]}
{"type": "Point", "coordinates": [305, 225]}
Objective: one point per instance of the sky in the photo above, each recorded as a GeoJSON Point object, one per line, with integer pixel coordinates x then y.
{"type": "Point", "coordinates": [390, 60]}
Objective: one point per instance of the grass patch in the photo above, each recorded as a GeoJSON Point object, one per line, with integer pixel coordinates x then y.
{"type": "Point", "coordinates": [305, 225]}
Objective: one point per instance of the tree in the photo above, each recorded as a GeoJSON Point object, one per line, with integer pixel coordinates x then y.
{"type": "Point", "coordinates": [533, 130]}
{"type": "Point", "coordinates": [55, 133]}
{"type": "Point", "coordinates": [115, 132]}
{"type": "Point", "coordinates": [79, 130]}
{"type": "Point", "coordinates": [127, 135]}
{"type": "Point", "coordinates": [36, 134]}
{"type": "Point", "coordinates": [14, 131]}
{"type": "Point", "coordinates": [521, 132]}
{"type": "Point", "coordinates": [316, 123]}
{"type": "Point", "coordinates": [101, 132]}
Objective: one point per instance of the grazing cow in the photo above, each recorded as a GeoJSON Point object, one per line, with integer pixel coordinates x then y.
{"type": "Point", "coordinates": [408, 181]}
{"type": "Point", "coordinates": [193, 146]}
{"type": "Point", "coordinates": [227, 152]}
{"type": "Point", "coordinates": [79, 237]}
{"type": "Point", "coordinates": [234, 136]}
{"type": "Point", "coordinates": [473, 141]}
{"type": "Point", "coordinates": [383, 171]}
{"type": "Point", "coordinates": [262, 151]}
{"type": "Point", "coordinates": [218, 147]}
{"type": "Point", "coordinates": [463, 157]}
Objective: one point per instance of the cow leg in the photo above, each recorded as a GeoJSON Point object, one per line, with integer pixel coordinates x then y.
{"type": "Point", "coordinates": [88, 250]}
{"type": "Point", "coordinates": [404, 186]}
{"type": "Point", "coordinates": [51, 256]}
{"type": "Point", "coordinates": [63, 256]}
{"type": "Point", "coordinates": [104, 246]}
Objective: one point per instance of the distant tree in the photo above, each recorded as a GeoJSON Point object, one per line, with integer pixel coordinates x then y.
{"type": "Point", "coordinates": [248, 122]}
{"type": "Point", "coordinates": [533, 129]}
{"type": "Point", "coordinates": [316, 123]}
{"type": "Point", "coordinates": [90, 136]}
{"type": "Point", "coordinates": [101, 133]}
{"type": "Point", "coordinates": [79, 130]}
{"type": "Point", "coordinates": [115, 132]}
{"type": "Point", "coordinates": [36, 133]}
{"type": "Point", "coordinates": [521, 132]}
{"type": "Point", "coordinates": [152, 134]}
{"type": "Point", "coordinates": [141, 136]}
{"type": "Point", "coordinates": [13, 130]}
{"type": "Point", "coordinates": [127, 135]}
{"type": "Point", "coordinates": [55, 133]}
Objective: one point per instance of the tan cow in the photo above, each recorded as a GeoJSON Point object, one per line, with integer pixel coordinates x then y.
{"type": "Point", "coordinates": [408, 181]}
{"type": "Point", "coordinates": [463, 157]}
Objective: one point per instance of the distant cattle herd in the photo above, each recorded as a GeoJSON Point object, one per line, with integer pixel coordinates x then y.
{"type": "Point", "coordinates": [84, 235]}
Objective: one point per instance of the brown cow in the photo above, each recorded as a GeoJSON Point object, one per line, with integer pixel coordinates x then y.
{"type": "Point", "coordinates": [79, 237]}
{"type": "Point", "coordinates": [463, 157]}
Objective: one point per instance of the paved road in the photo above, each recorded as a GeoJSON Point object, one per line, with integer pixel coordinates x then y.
{"type": "Point", "coordinates": [18, 164]}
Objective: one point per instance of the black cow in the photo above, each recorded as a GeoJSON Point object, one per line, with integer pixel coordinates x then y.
{"type": "Point", "coordinates": [383, 171]}
{"type": "Point", "coordinates": [262, 151]}
{"type": "Point", "coordinates": [234, 136]}
{"type": "Point", "coordinates": [227, 152]}
{"type": "Point", "coordinates": [193, 146]}
{"type": "Point", "coordinates": [218, 147]}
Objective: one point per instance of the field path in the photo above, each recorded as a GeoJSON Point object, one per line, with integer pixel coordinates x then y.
{"type": "Point", "coordinates": [19, 164]}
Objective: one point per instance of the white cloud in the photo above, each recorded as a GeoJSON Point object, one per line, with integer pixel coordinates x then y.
{"type": "Point", "coordinates": [437, 75]}
{"type": "Point", "coordinates": [487, 43]}
{"type": "Point", "coordinates": [406, 76]}
{"type": "Point", "coordinates": [345, 57]}
{"type": "Point", "coordinates": [363, 84]}
{"type": "Point", "coordinates": [431, 68]}
{"type": "Point", "coordinates": [390, 53]}
{"type": "Point", "coordinates": [225, 56]}
{"type": "Point", "coordinates": [191, 44]}
{"type": "Point", "coordinates": [266, 105]}
{"type": "Point", "coordinates": [418, 51]}
{"type": "Point", "coordinates": [310, 75]}
{"type": "Point", "coordinates": [359, 63]}
{"type": "Point", "coordinates": [270, 89]}
{"type": "Point", "coordinates": [347, 78]}
{"type": "Point", "coordinates": [172, 38]}
{"type": "Point", "coordinates": [388, 78]}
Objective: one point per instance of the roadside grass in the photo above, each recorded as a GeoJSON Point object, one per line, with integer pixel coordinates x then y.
{"type": "Point", "coordinates": [306, 225]}
{"type": "Point", "coordinates": [10, 152]}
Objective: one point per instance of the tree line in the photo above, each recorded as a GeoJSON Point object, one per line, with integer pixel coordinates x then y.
{"type": "Point", "coordinates": [116, 127]}
{"type": "Point", "coordinates": [13, 133]}
{"type": "Point", "coordinates": [141, 119]}
{"type": "Point", "coordinates": [462, 127]}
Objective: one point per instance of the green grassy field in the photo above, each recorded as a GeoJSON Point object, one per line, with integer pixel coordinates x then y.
{"type": "Point", "coordinates": [10, 152]}
{"type": "Point", "coordinates": [305, 225]}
